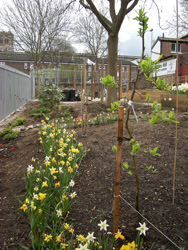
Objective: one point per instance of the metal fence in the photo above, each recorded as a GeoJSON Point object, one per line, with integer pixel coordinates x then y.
{"type": "Point", "coordinates": [16, 89]}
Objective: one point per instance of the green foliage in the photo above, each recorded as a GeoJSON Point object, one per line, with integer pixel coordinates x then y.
{"type": "Point", "coordinates": [143, 22]}
{"type": "Point", "coordinates": [149, 67]}
{"type": "Point", "coordinates": [39, 112]}
{"type": "Point", "coordinates": [109, 81]}
{"type": "Point", "coordinates": [114, 106]}
{"type": "Point", "coordinates": [160, 115]}
{"type": "Point", "coordinates": [8, 134]}
{"type": "Point", "coordinates": [161, 84]}
{"type": "Point", "coordinates": [50, 95]}
{"type": "Point", "coordinates": [114, 149]}
{"type": "Point", "coordinates": [18, 121]}
{"type": "Point", "coordinates": [147, 98]}
{"type": "Point", "coordinates": [135, 147]}
{"type": "Point", "coordinates": [154, 152]}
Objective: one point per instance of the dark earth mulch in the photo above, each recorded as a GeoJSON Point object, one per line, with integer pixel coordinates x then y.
{"type": "Point", "coordinates": [96, 179]}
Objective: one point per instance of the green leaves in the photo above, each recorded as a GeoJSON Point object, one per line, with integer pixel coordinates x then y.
{"type": "Point", "coordinates": [109, 81]}
{"type": "Point", "coordinates": [126, 166]}
{"type": "Point", "coordinates": [114, 106]}
{"type": "Point", "coordinates": [160, 115]}
{"type": "Point", "coordinates": [114, 149]}
{"type": "Point", "coordinates": [154, 152]}
{"type": "Point", "coordinates": [143, 22]}
{"type": "Point", "coordinates": [148, 66]}
{"type": "Point", "coordinates": [135, 147]}
{"type": "Point", "coordinates": [147, 98]}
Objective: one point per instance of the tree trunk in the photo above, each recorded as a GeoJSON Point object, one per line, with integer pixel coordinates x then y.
{"type": "Point", "coordinates": [112, 66]}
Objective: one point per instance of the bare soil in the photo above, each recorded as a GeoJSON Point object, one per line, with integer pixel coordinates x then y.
{"type": "Point", "coordinates": [96, 180]}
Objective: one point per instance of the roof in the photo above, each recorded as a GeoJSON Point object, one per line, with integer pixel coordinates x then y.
{"type": "Point", "coordinates": [167, 39]}
{"type": "Point", "coordinates": [75, 59]}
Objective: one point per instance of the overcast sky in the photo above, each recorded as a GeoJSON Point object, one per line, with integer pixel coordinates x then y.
{"type": "Point", "coordinates": [130, 42]}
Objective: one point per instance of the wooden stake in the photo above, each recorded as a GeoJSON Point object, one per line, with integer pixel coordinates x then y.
{"type": "Point", "coordinates": [118, 169]}
{"type": "Point", "coordinates": [92, 74]}
{"type": "Point", "coordinates": [94, 80]}
{"type": "Point", "coordinates": [85, 120]}
{"type": "Point", "coordinates": [128, 79]}
{"type": "Point", "coordinates": [120, 78]}
{"type": "Point", "coordinates": [75, 79]}
{"type": "Point", "coordinates": [84, 76]}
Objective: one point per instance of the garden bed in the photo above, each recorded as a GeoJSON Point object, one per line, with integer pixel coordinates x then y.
{"type": "Point", "coordinates": [96, 180]}
{"type": "Point", "coordinates": [167, 100]}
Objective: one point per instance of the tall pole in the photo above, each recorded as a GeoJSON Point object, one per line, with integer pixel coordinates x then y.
{"type": "Point", "coordinates": [176, 136]}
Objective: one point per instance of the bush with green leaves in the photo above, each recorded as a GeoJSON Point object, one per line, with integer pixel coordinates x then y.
{"type": "Point", "coordinates": [50, 94]}
{"type": "Point", "coordinates": [19, 121]}
{"type": "Point", "coordinates": [8, 134]}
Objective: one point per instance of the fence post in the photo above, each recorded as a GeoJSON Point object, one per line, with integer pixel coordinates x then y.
{"type": "Point", "coordinates": [127, 79]}
{"type": "Point", "coordinates": [120, 78]}
{"type": "Point", "coordinates": [102, 74]}
{"type": "Point", "coordinates": [99, 73]}
{"type": "Point", "coordinates": [85, 118]}
{"type": "Point", "coordinates": [84, 76]}
{"type": "Point", "coordinates": [75, 79]}
{"type": "Point", "coordinates": [94, 80]}
{"type": "Point", "coordinates": [118, 169]}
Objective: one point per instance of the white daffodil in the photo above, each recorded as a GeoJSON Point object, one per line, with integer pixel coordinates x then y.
{"type": "Point", "coordinates": [142, 228]}
{"type": "Point", "coordinates": [103, 225]}
{"type": "Point", "coordinates": [90, 237]}
{"type": "Point", "coordinates": [73, 195]}
{"type": "Point", "coordinates": [30, 168]}
{"type": "Point", "coordinates": [81, 247]}
{"type": "Point", "coordinates": [71, 183]}
{"type": "Point", "coordinates": [59, 212]}
{"type": "Point", "coordinates": [47, 158]}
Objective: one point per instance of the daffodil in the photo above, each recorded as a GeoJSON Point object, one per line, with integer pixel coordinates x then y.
{"type": "Point", "coordinates": [142, 228]}
{"type": "Point", "coordinates": [119, 235]}
{"type": "Point", "coordinates": [59, 212]}
{"type": "Point", "coordinates": [103, 225]}
{"type": "Point", "coordinates": [44, 184]}
{"type": "Point", "coordinates": [24, 207]}
{"type": "Point", "coordinates": [90, 237]}
{"type": "Point", "coordinates": [47, 237]}
{"type": "Point", "coordinates": [42, 196]}
{"type": "Point", "coordinates": [58, 238]}
{"type": "Point", "coordinates": [129, 246]}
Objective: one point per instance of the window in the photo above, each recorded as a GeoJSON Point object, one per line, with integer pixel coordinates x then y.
{"type": "Point", "coordinates": [173, 47]}
{"type": "Point", "coordinates": [6, 41]}
{"type": "Point", "coordinates": [1, 40]}
{"type": "Point", "coordinates": [25, 65]}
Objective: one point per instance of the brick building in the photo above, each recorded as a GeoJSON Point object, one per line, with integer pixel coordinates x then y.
{"type": "Point", "coordinates": [168, 48]}
{"type": "Point", "coordinates": [6, 41]}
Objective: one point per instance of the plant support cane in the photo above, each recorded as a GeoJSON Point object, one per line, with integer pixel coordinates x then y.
{"type": "Point", "coordinates": [118, 169]}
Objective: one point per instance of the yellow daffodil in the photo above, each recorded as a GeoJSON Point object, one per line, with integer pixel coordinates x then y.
{"type": "Point", "coordinates": [44, 184]}
{"type": "Point", "coordinates": [24, 207]}
{"type": "Point", "coordinates": [42, 196]}
{"type": "Point", "coordinates": [58, 238]}
{"type": "Point", "coordinates": [70, 170]}
{"type": "Point", "coordinates": [48, 237]}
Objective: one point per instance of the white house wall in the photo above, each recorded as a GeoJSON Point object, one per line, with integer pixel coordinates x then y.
{"type": "Point", "coordinates": [156, 50]}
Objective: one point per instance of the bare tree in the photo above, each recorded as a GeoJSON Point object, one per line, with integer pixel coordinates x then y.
{"type": "Point", "coordinates": [182, 19]}
{"type": "Point", "coordinates": [60, 48]}
{"type": "Point", "coordinates": [112, 26]}
{"type": "Point", "coordinates": [35, 24]}
{"type": "Point", "coordinates": [90, 33]}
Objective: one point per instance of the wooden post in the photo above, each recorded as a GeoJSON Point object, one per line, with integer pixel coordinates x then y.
{"type": "Point", "coordinates": [120, 78]}
{"type": "Point", "coordinates": [118, 169]}
{"type": "Point", "coordinates": [84, 76]}
{"type": "Point", "coordinates": [127, 79]}
{"type": "Point", "coordinates": [94, 80]}
{"type": "Point", "coordinates": [102, 74]}
{"type": "Point", "coordinates": [99, 82]}
{"type": "Point", "coordinates": [75, 78]}
{"type": "Point", "coordinates": [92, 74]}
{"type": "Point", "coordinates": [85, 118]}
